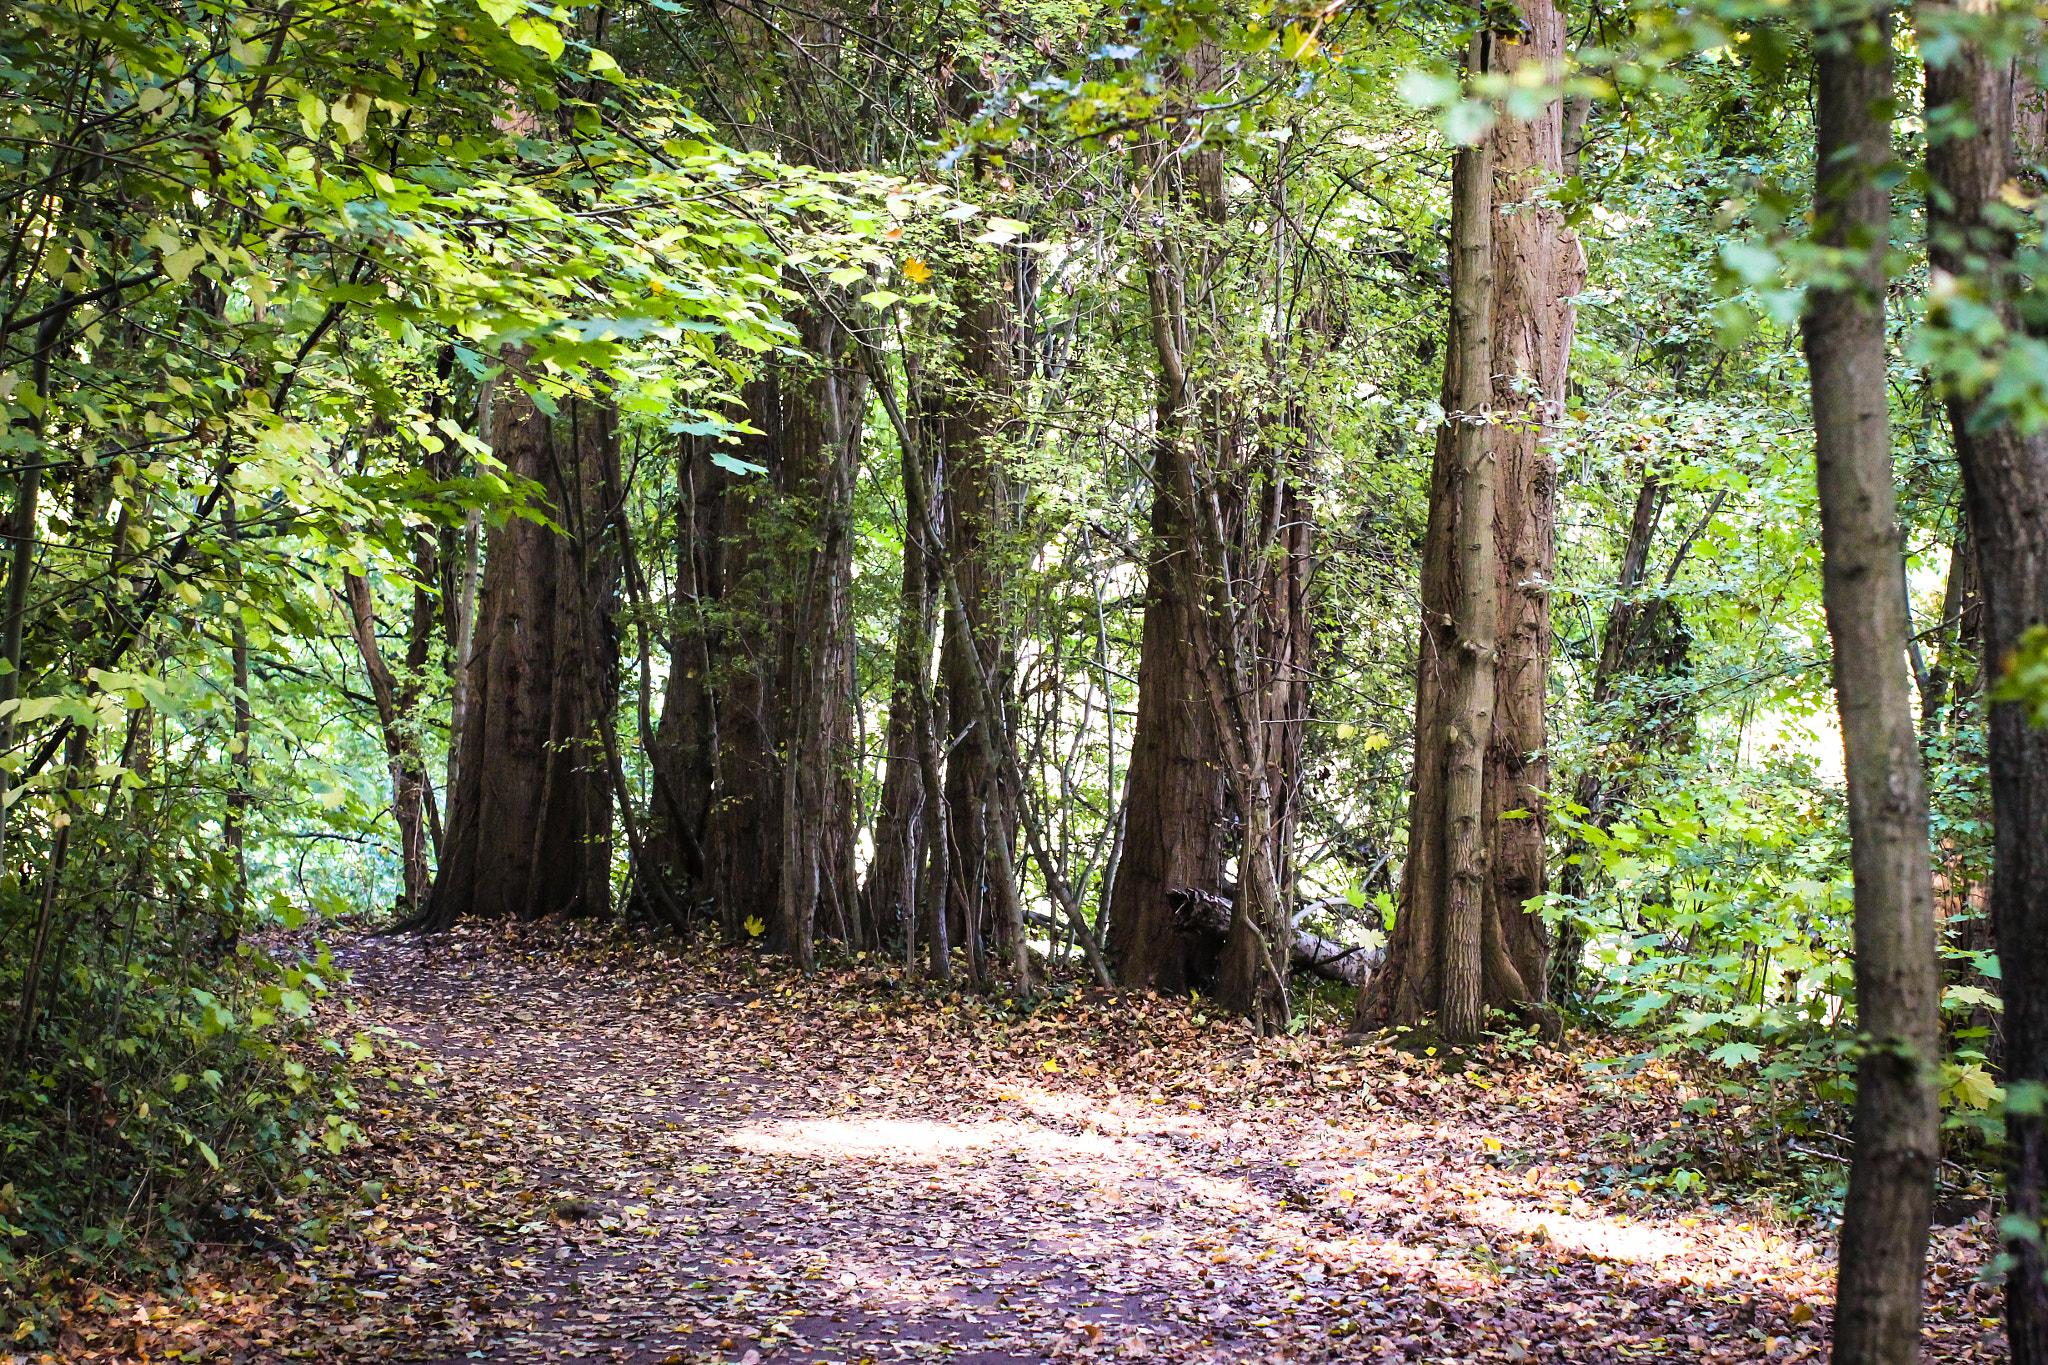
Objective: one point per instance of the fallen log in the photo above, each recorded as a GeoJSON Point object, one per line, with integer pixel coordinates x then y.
{"type": "Point", "coordinates": [1208, 913]}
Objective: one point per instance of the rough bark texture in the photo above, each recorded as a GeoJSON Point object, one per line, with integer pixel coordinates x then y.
{"type": "Point", "coordinates": [1461, 1007]}
{"type": "Point", "coordinates": [1176, 808]}
{"type": "Point", "coordinates": [2005, 477]}
{"type": "Point", "coordinates": [1222, 676]}
{"type": "Point", "coordinates": [1537, 268]}
{"type": "Point", "coordinates": [781, 822]}
{"type": "Point", "coordinates": [529, 823]}
{"type": "Point", "coordinates": [1891, 1180]}
{"type": "Point", "coordinates": [968, 412]}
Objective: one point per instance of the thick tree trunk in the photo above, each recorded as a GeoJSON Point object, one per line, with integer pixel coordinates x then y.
{"type": "Point", "coordinates": [1222, 680]}
{"type": "Point", "coordinates": [1536, 268]}
{"type": "Point", "coordinates": [780, 821]}
{"type": "Point", "coordinates": [966, 419]}
{"type": "Point", "coordinates": [2005, 477]}
{"type": "Point", "coordinates": [1176, 806]}
{"type": "Point", "coordinates": [1891, 1181]}
{"type": "Point", "coordinates": [529, 821]}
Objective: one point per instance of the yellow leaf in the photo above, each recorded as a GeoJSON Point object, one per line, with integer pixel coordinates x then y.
{"type": "Point", "coordinates": [917, 270]}
{"type": "Point", "coordinates": [1802, 1312]}
{"type": "Point", "coordinates": [754, 926]}
{"type": "Point", "coordinates": [1492, 1144]}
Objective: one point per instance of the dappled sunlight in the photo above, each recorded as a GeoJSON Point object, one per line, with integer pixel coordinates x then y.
{"type": "Point", "coordinates": [1611, 1239]}
{"type": "Point", "coordinates": [910, 1140]}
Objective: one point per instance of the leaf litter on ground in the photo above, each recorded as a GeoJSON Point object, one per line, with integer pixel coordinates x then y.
{"type": "Point", "coordinates": [621, 1152]}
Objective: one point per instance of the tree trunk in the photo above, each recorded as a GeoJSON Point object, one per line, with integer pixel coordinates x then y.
{"type": "Point", "coordinates": [1222, 681]}
{"type": "Point", "coordinates": [2005, 478]}
{"type": "Point", "coordinates": [966, 417]}
{"type": "Point", "coordinates": [784, 685]}
{"type": "Point", "coordinates": [1590, 793]}
{"type": "Point", "coordinates": [529, 821]}
{"type": "Point", "coordinates": [1891, 1180]}
{"type": "Point", "coordinates": [889, 896]}
{"type": "Point", "coordinates": [1536, 268]}
{"type": "Point", "coordinates": [685, 757]}
{"type": "Point", "coordinates": [1176, 807]}
{"type": "Point", "coordinates": [1461, 1009]}
{"type": "Point", "coordinates": [401, 748]}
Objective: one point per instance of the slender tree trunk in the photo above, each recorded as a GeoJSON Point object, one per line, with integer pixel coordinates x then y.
{"type": "Point", "coordinates": [684, 758]}
{"type": "Point", "coordinates": [401, 752]}
{"type": "Point", "coordinates": [1891, 1181]}
{"type": "Point", "coordinates": [889, 896]}
{"type": "Point", "coordinates": [2005, 479]}
{"type": "Point", "coordinates": [1590, 793]}
{"type": "Point", "coordinates": [1462, 1009]}
{"type": "Point", "coordinates": [240, 761]}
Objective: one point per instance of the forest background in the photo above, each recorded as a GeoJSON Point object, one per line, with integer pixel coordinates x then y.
{"type": "Point", "coordinates": [977, 490]}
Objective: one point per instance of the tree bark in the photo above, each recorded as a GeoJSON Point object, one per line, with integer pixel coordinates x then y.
{"type": "Point", "coordinates": [529, 821]}
{"type": "Point", "coordinates": [1589, 794]}
{"type": "Point", "coordinates": [401, 747]}
{"type": "Point", "coordinates": [1222, 681]}
{"type": "Point", "coordinates": [1176, 807]}
{"type": "Point", "coordinates": [1891, 1180]}
{"type": "Point", "coordinates": [889, 896]}
{"type": "Point", "coordinates": [2005, 479]}
{"type": "Point", "coordinates": [784, 685]}
{"type": "Point", "coordinates": [1536, 269]}
{"type": "Point", "coordinates": [685, 757]}
{"type": "Point", "coordinates": [1461, 1009]}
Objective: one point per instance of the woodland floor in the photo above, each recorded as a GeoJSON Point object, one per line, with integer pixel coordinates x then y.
{"type": "Point", "coordinates": [626, 1156]}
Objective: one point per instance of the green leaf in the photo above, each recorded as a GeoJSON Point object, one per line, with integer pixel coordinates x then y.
{"type": "Point", "coordinates": [538, 34]}
{"type": "Point", "coordinates": [733, 465]}
{"type": "Point", "coordinates": [1732, 1055]}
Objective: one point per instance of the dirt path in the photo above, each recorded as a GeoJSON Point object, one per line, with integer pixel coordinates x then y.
{"type": "Point", "coordinates": [635, 1159]}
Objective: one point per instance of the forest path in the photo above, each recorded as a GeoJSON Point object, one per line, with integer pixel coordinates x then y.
{"type": "Point", "coordinates": [624, 1156]}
